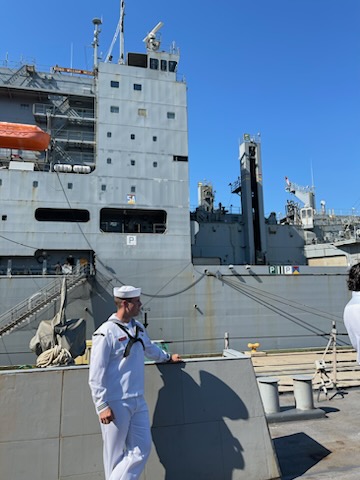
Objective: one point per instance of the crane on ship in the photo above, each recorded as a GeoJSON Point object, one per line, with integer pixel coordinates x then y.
{"type": "Point", "coordinates": [306, 195]}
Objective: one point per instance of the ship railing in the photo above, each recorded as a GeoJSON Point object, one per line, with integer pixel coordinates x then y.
{"type": "Point", "coordinates": [64, 107]}
{"type": "Point", "coordinates": [10, 319]}
{"type": "Point", "coordinates": [55, 133]}
{"type": "Point", "coordinates": [346, 215]}
{"type": "Point", "coordinates": [43, 109]}
{"type": "Point", "coordinates": [79, 158]}
{"type": "Point", "coordinates": [20, 72]}
{"type": "Point", "coordinates": [64, 82]}
{"type": "Point", "coordinates": [18, 154]}
{"type": "Point", "coordinates": [59, 155]}
{"type": "Point", "coordinates": [75, 136]}
{"type": "Point", "coordinates": [61, 152]}
{"type": "Point", "coordinates": [236, 186]}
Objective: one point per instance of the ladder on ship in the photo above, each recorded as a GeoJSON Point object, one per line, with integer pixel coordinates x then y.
{"type": "Point", "coordinates": [24, 70]}
{"type": "Point", "coordinates": [44, 297]}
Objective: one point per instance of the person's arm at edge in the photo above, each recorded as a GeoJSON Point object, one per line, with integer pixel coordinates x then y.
{"type": "Point", "coordinates": [100, 355]}
{"type": "Point", "coordinates": [175, 358]}
{"type": "Point", "coordinates": [156, 353]}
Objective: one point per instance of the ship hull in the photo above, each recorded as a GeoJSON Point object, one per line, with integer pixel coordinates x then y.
{"type": "Point", "coordinates": [195, 311]}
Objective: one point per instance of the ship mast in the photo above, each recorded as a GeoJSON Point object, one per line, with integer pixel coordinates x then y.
{"type": "Point", "coordinates": [95, 44]}
{"type": "Point", "coordinates": [119, 30]}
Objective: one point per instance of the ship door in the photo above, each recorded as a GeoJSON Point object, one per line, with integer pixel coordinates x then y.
{"type": "Point", "coordinates": [307, 217]}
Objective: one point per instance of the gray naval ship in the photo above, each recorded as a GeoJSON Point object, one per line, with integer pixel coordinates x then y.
{"type": "Point", "coordinates": [94, 188]}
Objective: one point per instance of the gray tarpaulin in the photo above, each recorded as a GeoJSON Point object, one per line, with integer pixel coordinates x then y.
{"type": "Point", "coordinates": [67, 333]}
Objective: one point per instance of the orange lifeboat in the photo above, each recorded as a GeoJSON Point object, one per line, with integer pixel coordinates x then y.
{"type": "Point", "coordinates": [23, 137]}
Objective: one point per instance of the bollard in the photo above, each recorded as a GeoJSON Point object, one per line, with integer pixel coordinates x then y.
{"type": "Point", "coordinates": [269, 393]}
{"type": "Point", "coordinates": [303, 392]}
{"type": "Point", "coordinates": [226, 341]}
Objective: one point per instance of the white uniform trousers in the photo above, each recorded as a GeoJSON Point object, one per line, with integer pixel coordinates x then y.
{"type": "Point", "coordinates": [127, 440]}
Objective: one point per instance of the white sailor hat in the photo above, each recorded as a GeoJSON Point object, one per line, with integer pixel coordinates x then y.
{"type": "Point", "coordinates": [126, 291]}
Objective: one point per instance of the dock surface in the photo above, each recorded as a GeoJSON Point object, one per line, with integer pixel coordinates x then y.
{"type": "Point", "coordinates": [324, 448]}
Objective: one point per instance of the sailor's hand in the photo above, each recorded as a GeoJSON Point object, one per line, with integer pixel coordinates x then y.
{"type": "Point", "coordinates": [106, 416]}
{"type": "Point", "coordinates": [175, 357]}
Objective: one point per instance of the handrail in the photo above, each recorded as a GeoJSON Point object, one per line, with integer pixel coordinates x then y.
{"type": "Point", "coordinates": [14, 316]}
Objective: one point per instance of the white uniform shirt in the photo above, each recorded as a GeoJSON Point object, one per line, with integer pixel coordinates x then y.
{"type": "Point", "coordinates": [113, 376]}
{"type": "Point", "coordinates": [352, 321]}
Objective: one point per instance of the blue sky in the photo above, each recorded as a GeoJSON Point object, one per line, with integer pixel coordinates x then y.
{"type": "Point", "coordinates": [289, 69]}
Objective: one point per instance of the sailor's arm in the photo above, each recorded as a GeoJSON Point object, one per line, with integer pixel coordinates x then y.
{"type": "Point", "coordinates": [106, 416]}
{"type": "Point", "coordinates": [174, 358]}
{"type": "Point", "coordinates": [100, 355]}
{"type": "Point", "coordinates": [157, 354]}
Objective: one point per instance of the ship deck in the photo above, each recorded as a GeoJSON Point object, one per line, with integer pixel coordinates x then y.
{"type": "Point", "coordinates": [324, 448]}
{"type": "Point", "coordinates": [284, 365]}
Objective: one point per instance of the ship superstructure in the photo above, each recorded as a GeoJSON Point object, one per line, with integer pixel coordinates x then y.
{"type": "Point", "coordinates": [330, 238]}
{"type": "Point", "coordinates": [111, 131]}
{"type": "Point", "coordinates": [107, 203]}
{"type": "Point", "coordinates": [248, 238]}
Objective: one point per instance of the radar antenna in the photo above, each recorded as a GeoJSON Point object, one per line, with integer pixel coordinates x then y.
{"type": "Point", "coordinates": [97, 22]}
{"type": "Point", "coordinates": [152, 43]}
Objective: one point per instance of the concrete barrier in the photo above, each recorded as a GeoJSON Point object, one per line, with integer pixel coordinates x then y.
{"type": "Point", "coordinates": [207, 422]}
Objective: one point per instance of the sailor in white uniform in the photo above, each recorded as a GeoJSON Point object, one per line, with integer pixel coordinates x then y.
{"type": "Point", "coordinates": [116, 379]}
{"type": "Point", "coordinates": [352, 309]}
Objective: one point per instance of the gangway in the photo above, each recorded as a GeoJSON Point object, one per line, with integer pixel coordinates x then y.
{"type": "Point", "coordinates": [24, 310]}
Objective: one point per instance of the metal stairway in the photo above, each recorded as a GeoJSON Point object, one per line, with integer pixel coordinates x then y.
{"type": "Point", "coordinates": [24, 310]}
{"type": "Point", "coordinates": [62, 105]}
{"type": "Point", "coordinates": [24, 70]}
{"type": "Point", "coordinates": [62, 153]}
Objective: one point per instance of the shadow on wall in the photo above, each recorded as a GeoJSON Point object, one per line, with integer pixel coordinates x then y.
{"type": "Point", "coordinates": [104, 305]}
{"type": "Point", "coordinates": [297, 454]}
{"type": "Point", "coordinates": [191, 434]}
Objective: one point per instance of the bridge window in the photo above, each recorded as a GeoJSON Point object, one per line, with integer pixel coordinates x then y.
{"type": "Point", "coordinates": [154, 64]}
{"type": "Point", "coordinates": [172, 66]}
{"type": "Point", "coordinates": [114, 84]}
{"type": "Point", "coordinates": [118, 220]}
{"type": "Point", "coordinates": [62, 215]}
